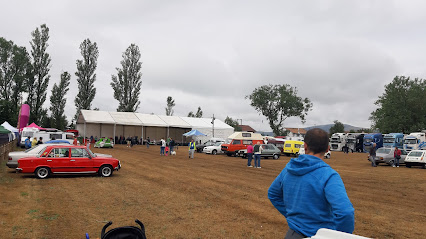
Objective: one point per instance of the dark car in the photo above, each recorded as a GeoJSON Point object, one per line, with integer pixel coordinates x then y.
{"type": "Point", "coordinates": [269, 151]}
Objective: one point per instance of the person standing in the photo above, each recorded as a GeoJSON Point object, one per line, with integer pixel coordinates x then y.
{"type": "Point", "coordinates": [257, 149]}
{"type": "Point", "coordinates": [34, 142]}
{"type": "Point", "coordinates": [372, 155]}
{"type": "Point", "coordinates": [192, 148]}
{"type": "Point", "coordinates": [172, 145]}
{"type": "Point", "coordinates": [163, 146]}
{"type": "Point", "coordinates": [148, 141]}
{"type": "Point", "coordinates": [28, 142]}
{"type": "Point", "coordinates": [40, 141]}
{"type": "Point", "coordinates": [310, 194]}
{"type": "Point", "coordinates": [75, 142]}
{"type": "Point", "coordinates": [249, 155]}
{"type": "Point", "coordinates": [396, 157]}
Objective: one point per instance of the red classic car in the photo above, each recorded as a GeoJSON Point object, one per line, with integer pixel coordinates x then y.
{"type": "Point", "coordinates": [67, 159]}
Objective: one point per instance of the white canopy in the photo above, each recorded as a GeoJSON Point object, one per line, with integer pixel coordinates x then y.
{"type": "Point", "coordinates": [9, 127]}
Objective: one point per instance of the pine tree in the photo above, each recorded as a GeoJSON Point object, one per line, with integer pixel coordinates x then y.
{"type": "Point", "coordinates": [86, 76]}
{"type": "Point", "coordinates": [58, 101]}
{"type": "Point", "coordinates": [37, 85]}
{"type": "Point", "coordinates": [170, 105]}
{"type": "Point", "coordinates": [127, 84]}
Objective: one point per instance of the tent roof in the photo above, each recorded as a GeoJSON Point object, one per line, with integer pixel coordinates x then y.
{"type": "Point", "coordinates": [193, 132]}
{"type": "Point", "coordinates": [3, 130]}
{"type": "Point", "coordinates": [33, 125]}
{"type": "Point", "coordinates": [130, 118]}
{"type": "Point", "coordinates": [151, 120]}
{"type": "Point", "coordinates": [125, 118]}
{"type": "Point", "coordinates": [219, 124]}
{"type": "Point", "coordinates": [94, 116]}
{"type": "Point", "coordinates": [9, 127]}
{"type": "Point", "coordinates": [175, 121]}
{"type": "Point", "coordinates": [197, 122]}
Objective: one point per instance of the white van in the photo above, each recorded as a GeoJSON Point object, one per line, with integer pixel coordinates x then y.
{"type": "Point", "coordinates": [416, 158]}
{"type": "Point", "coordinates": [46, 135]}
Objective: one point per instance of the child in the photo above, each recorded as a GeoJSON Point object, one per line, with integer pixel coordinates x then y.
{"type": "Point", "coordinates": [167, 150]}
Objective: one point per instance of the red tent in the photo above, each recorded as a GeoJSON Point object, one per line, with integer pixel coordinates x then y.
{"type": "Point", "coordinates": [33, 125]}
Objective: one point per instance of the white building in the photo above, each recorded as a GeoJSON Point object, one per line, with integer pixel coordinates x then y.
{"type": "Point", "coordinates": [129, 124]}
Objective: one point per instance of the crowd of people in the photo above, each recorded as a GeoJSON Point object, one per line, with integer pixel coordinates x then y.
{"type": "Point", "coordinates": [34, 142]}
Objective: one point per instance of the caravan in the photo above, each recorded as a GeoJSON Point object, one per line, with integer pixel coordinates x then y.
{"type": "Point", "coordinates": [239, 140]}
{"type": "Point", "coordinates": [45, 134]}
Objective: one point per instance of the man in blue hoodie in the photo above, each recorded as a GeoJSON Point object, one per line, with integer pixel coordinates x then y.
{"type": "Point", "coordinates": [310, 194]}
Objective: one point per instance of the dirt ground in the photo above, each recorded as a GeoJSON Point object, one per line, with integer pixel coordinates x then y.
{"type": "Point", "coordinates": [211, 196]}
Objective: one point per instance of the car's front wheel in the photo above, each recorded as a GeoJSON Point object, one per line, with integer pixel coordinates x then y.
{"type": "Point", "coordinates": [214, 152]}
{"type": "Point", "coordinates": [105, 171]}
{"type": "Point", "coordinates": [42, 172]}
{"type": "Point", "coordinates": [276, 156]}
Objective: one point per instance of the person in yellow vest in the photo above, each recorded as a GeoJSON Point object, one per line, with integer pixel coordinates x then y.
{"type": "Point", "coordinates": [34, 142]}
{"type": "Point", "coordinates": [192, 148]}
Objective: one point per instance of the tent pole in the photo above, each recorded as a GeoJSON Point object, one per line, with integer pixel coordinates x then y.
{"type": "Point", "coordinates": [113, 139]}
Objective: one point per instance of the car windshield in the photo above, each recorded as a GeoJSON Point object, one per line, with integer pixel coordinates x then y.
{"type": "Point", "coordinates": [217, 143]}
{"type": "Point", "coordinates": [415, 154]}
{"type": "Point", "coordinates": [383, 151]}
{"type": "Point", "coordinates": [91, 153]}
{"type": "Point", "coordinates": [388, 140]}
{"type": "Point", "coordinates": [410, 141]}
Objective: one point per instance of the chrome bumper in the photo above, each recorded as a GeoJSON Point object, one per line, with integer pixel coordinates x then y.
{"type": "Point", "coordinates": [18, 170]}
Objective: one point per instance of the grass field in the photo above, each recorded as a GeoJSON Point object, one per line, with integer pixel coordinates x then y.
{"type": "Point", "coordinates": [211, 196]}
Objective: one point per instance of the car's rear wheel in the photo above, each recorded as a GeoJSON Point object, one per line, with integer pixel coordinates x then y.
{"type": "Point", "coordinates": [391, 162]}
{"type": "Point", "coordinates": [424, 166]}
{"type": "Point", "coordinates": [214, 152]}
{"type": "Point", "coordinates": [42, 172]}
{"type": "Point", "coordinates": [276, 156]}
{"type": "Point", "coordinates": [408, 165]}
{"type": "Point", "coordinates": [105, 171]}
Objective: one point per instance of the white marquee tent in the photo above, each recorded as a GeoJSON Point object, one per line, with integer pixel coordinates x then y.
{"type": "Point", "coordinates": [129, 124]}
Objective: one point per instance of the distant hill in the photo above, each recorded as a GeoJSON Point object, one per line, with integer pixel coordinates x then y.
{"type": "Point", "coordinates": [327, 127]}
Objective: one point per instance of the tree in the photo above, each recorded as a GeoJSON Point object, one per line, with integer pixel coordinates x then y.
{"type": "Point", "coordinates": [15, 67]}
{"type": "Point", "coordinates": [199, 113]}
{"type": "Point", "coordinates": [127, 84]}
{"type": "Point", "coordinates": [170, 105]}
{"type": "Point", "coordinates": [402, 107]}
{"type": "Point", "coordinates": [37, 85]}
{"type": "Point", "coordinates": [233, 123]}
{"type": "Point", "coordinates": [86, 75]}
{"type": "Point", "coordinates": [277, 103]}
{"type": "Point", "coordinates": [58, 101]}
{"type": "Point", "coordinates": [338, 127]}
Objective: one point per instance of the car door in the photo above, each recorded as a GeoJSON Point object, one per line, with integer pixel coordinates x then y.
{"type": "Point", "coordinates": [266, 152]}
{"type": "Point", "coordinates": [58, 160]}
{"type": "Point", "coordinates": [81, 161]}
{"type": "Point", "coordinates": [403, 155]}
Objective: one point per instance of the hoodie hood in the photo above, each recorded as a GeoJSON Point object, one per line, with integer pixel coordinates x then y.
{"type": "Point", "coordinates": [304, 164]}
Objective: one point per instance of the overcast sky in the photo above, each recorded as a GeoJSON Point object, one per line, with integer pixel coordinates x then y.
{"type": "Point", "coordinates": [339, 54]}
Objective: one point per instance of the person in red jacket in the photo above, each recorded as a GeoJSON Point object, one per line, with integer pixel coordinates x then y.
{"type": "Point", "coordinates": [396, 157]}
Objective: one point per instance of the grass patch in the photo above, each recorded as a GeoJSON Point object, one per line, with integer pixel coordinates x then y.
{"type": "Point", "coordinates": [24, 194]}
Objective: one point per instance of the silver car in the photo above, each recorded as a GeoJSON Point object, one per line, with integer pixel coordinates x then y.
{"type": "Point", "coordinates": [35, 151]}
{"type": "Point", "coordinates": [385, 155]}
{"type": "Point", "coordinates": [269, 150]}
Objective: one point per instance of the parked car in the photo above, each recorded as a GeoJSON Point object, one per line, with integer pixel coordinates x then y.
{"type": "Point", "coordinates": [416, 158]}
{"type": "Point", "coordinates": [104, 143]}
{"type": "Point", "coordinates": [69, 159]}
{"type": "Point", "coordinates": [213, 149]}
{"type": "Point", "coordinates": [35, 151]}
{"type": "Point", "coordinates": [385, 155]}
{"type": "Point", "coordinates": [327, 155]}
{"type": "Point", "coordinates": [269, 150]}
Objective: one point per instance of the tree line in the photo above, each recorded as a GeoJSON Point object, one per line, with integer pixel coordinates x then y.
{"type": "Point", "coordinates": [28, 72]}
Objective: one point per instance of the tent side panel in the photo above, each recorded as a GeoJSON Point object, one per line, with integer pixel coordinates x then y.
{"type": "Point", "coordinates": [119, 130]}
{"type": "Point", "coordinates": [176, 134]}
{"type": "Point", "coordinates": [107, 130]}
{"type": "Point", "coordinates": [91, 129]}
{"type": "Point", "coordinates": [131, 131]}
{"type": "Point", "coordinates": [155, 133]}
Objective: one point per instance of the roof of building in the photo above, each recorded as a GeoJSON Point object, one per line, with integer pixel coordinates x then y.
{"type": "Point", "coordinates": [247, 128]}
{"type": "Point", "coordinates": [297, 130]}
{"type": "Point", "coordinates": [131, 118]}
